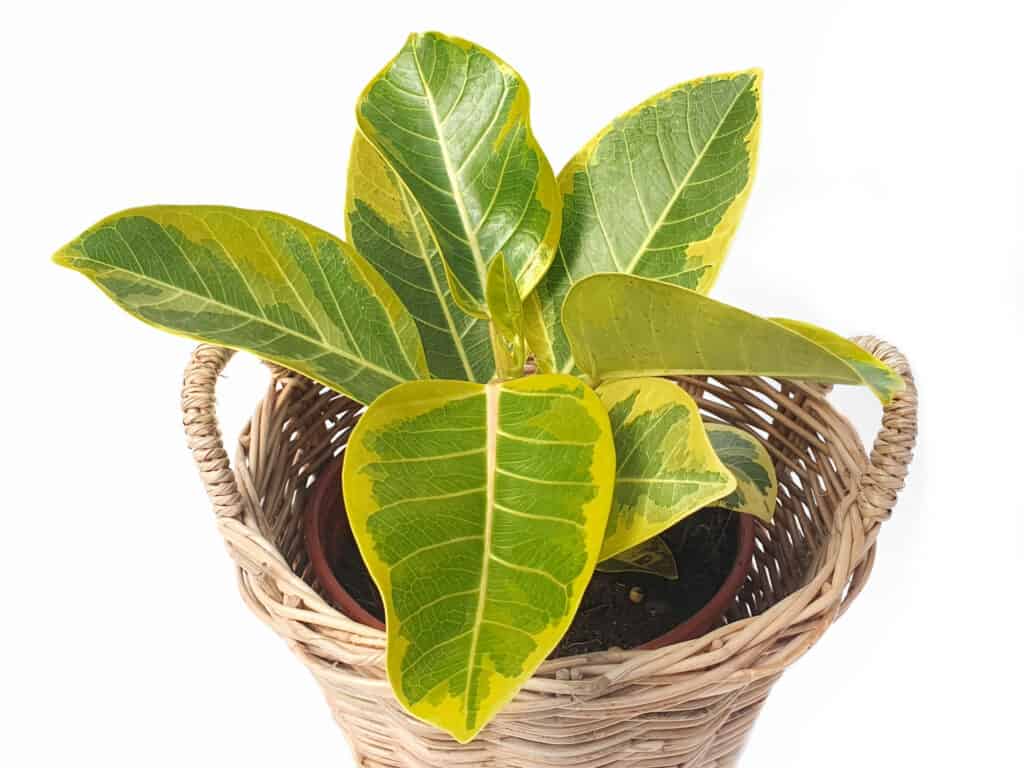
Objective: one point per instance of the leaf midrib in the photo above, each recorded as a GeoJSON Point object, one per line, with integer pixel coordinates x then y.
{"type": "Point", "coordinates": [449, 320]}
{"type": "Point", "coordinates": [686, 179]}
{"type": "Point", "coordinates": [680, 186]}
{"type": "Point", "coordinates": [241, 313]}
{"type": "Point", "coordinates": [449, 167]}
{"type": "Point", "coordinates": [492, 393]}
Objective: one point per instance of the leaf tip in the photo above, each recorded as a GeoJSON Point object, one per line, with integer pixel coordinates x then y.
{"type": "Point", "coordinates": [64, 257]}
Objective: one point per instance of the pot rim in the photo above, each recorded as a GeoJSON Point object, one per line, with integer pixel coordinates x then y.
{"type": "Point", "coordinates": [693, 627]}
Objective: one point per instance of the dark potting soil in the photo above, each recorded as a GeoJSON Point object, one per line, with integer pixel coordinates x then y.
{"type": "Point", "coordinates": [704, 546]}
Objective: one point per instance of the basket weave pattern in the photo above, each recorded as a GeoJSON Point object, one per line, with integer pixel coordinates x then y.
{"type": "Point", "coordinates": [691, 704]}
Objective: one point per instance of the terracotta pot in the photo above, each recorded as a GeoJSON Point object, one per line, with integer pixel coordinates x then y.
{"type": "Point", "coordinates": [705, 618]}
{"type": "Point", "coordinates": [327, 527]}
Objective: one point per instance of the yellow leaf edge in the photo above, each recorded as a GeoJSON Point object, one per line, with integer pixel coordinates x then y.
{"type": "Point", "coordinates": [393, 306]}
{"type": "Point", "coordinates": [730, 220]}
{"type": "Point", "coordinates": [659, 392]}
{"type": "Point", "coordinates": [850, 375]}
{"type": "Point", "coordinates": [354, 483]}
{"type": "Point", "coordinates": [547, 189]}
{"type": "Point", "coordinates": [626, 561]}
{"type": "Point", "coordinates": [765, 509]}
{"type": "Point", "coordinates": [538, 340]}
{"type": "Point", "coordinates": [882, 380]}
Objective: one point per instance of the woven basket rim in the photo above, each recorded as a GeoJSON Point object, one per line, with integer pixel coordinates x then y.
{"type": "Point", "coordinates": [726, 660]}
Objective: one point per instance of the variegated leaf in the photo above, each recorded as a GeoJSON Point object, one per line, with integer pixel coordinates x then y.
{"type": "Point", "coordinates": [257, 281]}
{"type": "Point", "coordinates": [452, 119]}
{"type": "Point", "coordinates": [480, 511]}
{"type": "Point", "coordinates": [879, 377]}
{"type": "Point", "coordinates": [657, 193]}
{"type": "Point", "coordinates": [652, 556]}
{"type": "Point", "coordinates": [539, 341]}
{"type": "Point", "coordinates": [621, 326]}
{"type": "Point", "coordinates": [386, 225]}
{"type": "Point", "coordinates": [665, 466]}
{"type": "Point", "coordinates": [506, 310]}
{"type": "Point", "coordinates": [757, 487]}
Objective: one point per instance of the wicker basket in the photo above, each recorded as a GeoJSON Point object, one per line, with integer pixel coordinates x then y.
{"type": "Point", "coordinates": [691, 704]}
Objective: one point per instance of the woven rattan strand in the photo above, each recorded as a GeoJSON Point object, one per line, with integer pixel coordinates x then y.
{"type": "Point", "coordinates": [690, 704]}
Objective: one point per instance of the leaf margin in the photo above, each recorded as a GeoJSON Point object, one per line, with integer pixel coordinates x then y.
{"type": "Point", "coordinates": [546, 192]}
{"type": "Point", "coordinates": [658, 394]}
{"type": "Point", "coordinates": [603, 465]}
{"type": "Point", "coordinates": [406, 333]}
{"type": "Point", "coordinates": [737, 500]}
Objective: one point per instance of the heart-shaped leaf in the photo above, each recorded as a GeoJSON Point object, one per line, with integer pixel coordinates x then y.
{"type": "Point", "coordinates": [879, 377]}
{"type": "Point", "coordinates": [480, 512]}
{"type": "Point", "coordinates": [657, 193]}
{"type": "Point", "coordinates": [621, 326]}
{"type": "Point", "coordinates": [665, 466]}
{"type": "Point", "coordinates": [652, 556]}
{"type": "Point", "coordinates": [386, 225]}
{"type": "Point", "coordinates": [257, 281]}
{"type": "Point", "coordinates": [757, 487]}
{"type": "Point", "coordinates": [452, 119]}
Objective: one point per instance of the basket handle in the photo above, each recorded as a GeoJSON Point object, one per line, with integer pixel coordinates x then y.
{"type": "Point", "coordinates": [881, 482]}
{"type": "Point", "coordinates": [199, 407]}
{"type": "Point", "coordinates": [886, 472]}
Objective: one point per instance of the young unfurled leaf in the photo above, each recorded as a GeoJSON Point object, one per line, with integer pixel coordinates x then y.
{"type": "Point", "coordinates": [652, 556]}
{"type": "Point", "coordinates": [386, 226]}
{"type": "Point", "coordinates": [657, 193]}
{"type": "Point", "coordinates": [757, 487]}
{"type": "Point", "coordinates": [879, 377]}
{"type": "Point", "coordinates": [275, 286]}
{"type": "Point", "coordinates": [506, 310]}
{"type": "Point", "coordinates": [621, 326]}
{"type": "Point", "coordinates": [666, 468]}
{"type": "Point", "coordinates": [453, 121]}
{"type": "Point", "coordinates": [480, 512]}
{"type": "Point", "coordinates": [538, 335]}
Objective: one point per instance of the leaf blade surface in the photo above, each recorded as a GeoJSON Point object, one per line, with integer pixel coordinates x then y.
{"type": "Point", "coordinates": [452, 119]}
{"type": "Point", "coordinates": [653, 556]}
{"type": "Point", "coordinates": [387, 227]}
{"type": "Point", "coordinates": [757, 486]}
{"type": "Point", "coordinates": [257, 281]}
{"type": "Point", "coordinates": [480, 511]}
{"type": "Point", "coordinates": [657, 193]}
{"type": "Point", "coordinates": [621, 326]}
{"type": "Point", "coordinates": [874, 374]}
{"type": "Point", "coordinates": [666, 468]}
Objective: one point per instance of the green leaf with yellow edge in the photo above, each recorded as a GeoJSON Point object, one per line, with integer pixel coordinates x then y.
{"type": "Point", "coordinates": [256, 281]}
{"type": "Point", "coordinates": [621, 326]}
{"type": "Point", "coordinates": [480, 512]}
{"type": "Point", "coordinates": [452, 119]}
{"type": "Point", "coordinates": [653, 556]}
{"type": "Point", "coordinates": [757, 487]}
{"type": "Point", "coordinates": [879, 377]}
{"type": "Point", "coordinates": [538, 335]}
{"type": "Point", "coordinates": [386, 225]}
{"type": "Point", "coordinates": [666, 468]}
{"type": "Point", "coordinates": [658, 193]}
{"type": "Point", "coordinates": [506, 310]}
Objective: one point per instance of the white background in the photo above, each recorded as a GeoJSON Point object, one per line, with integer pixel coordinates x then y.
{"type": "Point", "coordinates": [889, 200]}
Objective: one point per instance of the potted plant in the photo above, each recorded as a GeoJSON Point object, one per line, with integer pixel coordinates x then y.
{"type": "Point", "coordinates": [517, 340]}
